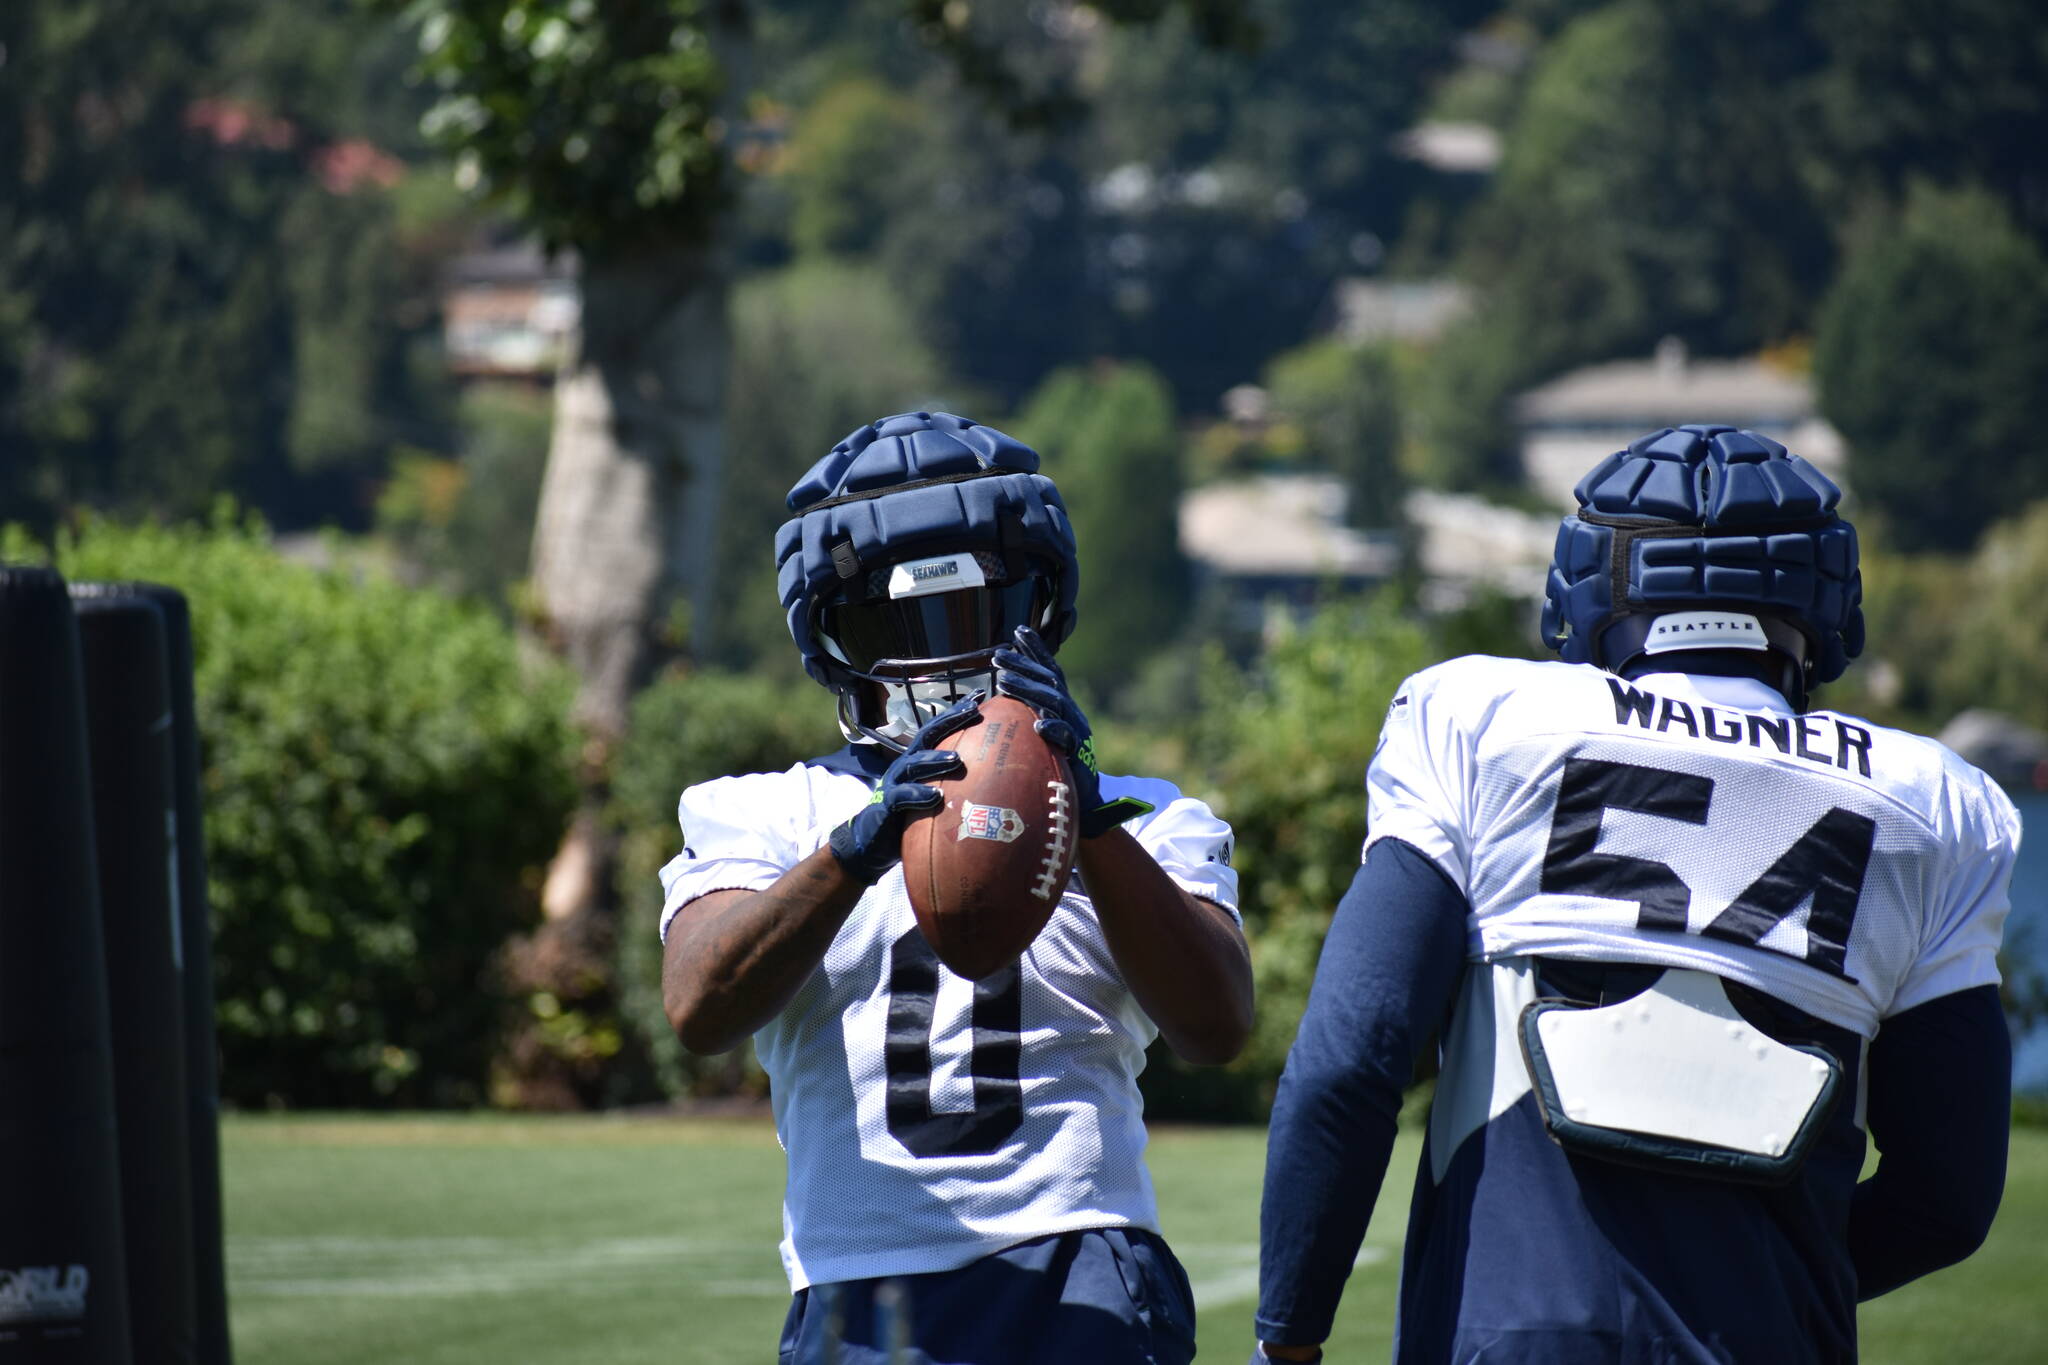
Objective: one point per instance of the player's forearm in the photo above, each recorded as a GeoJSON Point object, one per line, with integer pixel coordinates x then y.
{"type": "Point", "coordinates": [1390, 967]}
{"type": "Point", "coordinates": [1183, 957]}
{"type": "Point", "coordinates": [733, 959]}
{"type": "Point", "coordinates": [1331, 1137]}
{"type": "Point", "coordinates": [1939, 1086]}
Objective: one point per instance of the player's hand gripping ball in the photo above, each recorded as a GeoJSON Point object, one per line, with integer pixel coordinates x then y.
{"type": "Point", "coordinates": [986, 871]}
{"type": "Point", "coordinates": [1028, 673]}
{"type": "Point", "coordinates": [869, 844]}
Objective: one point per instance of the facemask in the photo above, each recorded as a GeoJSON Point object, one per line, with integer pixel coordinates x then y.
{"type": "Point", "coordinates": [910, 705]}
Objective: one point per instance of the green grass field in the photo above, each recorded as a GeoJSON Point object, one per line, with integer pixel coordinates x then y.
{"type": "Point", "coordinates": [438, 1241]}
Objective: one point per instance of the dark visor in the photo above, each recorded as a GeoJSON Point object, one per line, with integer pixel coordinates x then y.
{"type": "Point", "coordinates": [941, 626]}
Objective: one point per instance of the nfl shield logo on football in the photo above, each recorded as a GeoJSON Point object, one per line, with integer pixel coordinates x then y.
{"type": "Point", "coordinates": [999, 823]}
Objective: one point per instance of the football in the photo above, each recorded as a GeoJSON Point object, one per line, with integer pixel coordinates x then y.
{"type": "Point", "coordinates": [985, 871]}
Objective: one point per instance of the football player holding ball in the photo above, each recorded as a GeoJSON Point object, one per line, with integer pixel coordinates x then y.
{"type": "Point", "coordinates": [966, 1179]}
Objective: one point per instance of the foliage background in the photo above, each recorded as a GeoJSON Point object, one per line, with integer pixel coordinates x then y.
{"type": "Point", "coordinates": [383, 777]}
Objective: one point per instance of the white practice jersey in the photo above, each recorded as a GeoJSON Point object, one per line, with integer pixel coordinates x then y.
{"type": "Point", "coordinates": [1851, 870]}
{"type": "Point", "coordinates": [930, 1120]}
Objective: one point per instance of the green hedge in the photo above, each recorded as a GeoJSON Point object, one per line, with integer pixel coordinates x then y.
{"type": "Point", "coordinates": [384, 779]}
{"type": "Point", "coordinates": [1280, 751]}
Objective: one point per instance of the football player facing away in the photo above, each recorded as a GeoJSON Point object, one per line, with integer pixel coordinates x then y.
{"type": "Point", "coordinates": [1681, 942]}
{"type": "Point", "coordinates": [966, 1182]}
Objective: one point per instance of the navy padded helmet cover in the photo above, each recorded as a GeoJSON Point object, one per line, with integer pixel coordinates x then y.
{"type": "Point", "coordinates": [914, 483]}
{"type": "Point", "coordinates": [1764, 536]}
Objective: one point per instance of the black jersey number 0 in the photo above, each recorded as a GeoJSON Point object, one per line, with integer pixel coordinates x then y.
{"type": "Point", "coordinates": [1827, 862]}
{"type": "Point", "coordinates": [907, 1051]}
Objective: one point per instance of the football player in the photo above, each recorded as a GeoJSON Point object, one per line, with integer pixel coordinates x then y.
{"type": "Point", "coordinates": [1681, 942]}
{"type": "Point", "coordinates": [966, 1181]}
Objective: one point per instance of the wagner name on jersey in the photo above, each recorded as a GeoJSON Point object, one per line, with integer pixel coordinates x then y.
{"type": "Point", "coordinates": [931, 1120]}
{"type": "Point", "coordinates": [1689, 821]}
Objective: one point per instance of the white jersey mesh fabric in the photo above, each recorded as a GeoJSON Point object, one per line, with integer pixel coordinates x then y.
{"type": "Point", "coordinates": [902, 1159]}
{"type": "Point", "coordinates": [1849, 869]}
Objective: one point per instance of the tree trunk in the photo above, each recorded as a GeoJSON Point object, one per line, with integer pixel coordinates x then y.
{"type": "Point", "coordinates": [624, 534]}
{"type": "Point", "coordinates": [629, 505]}
{"type": "Point", "coordinates": [624, 571]}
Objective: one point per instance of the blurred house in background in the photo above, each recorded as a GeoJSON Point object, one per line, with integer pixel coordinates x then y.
{"type": "Point", "coordinates": [2014, 753]}
{"type": "Point", "coordinates": [1370, 310]}
{"type": "Point", "coordinates": [1465, 546]}
{"type": "Point", "coordinates": [1452, 146]}
{"type": "Point", "coordinates": [1568, 424]}
{"type": "Point", "coordinates": [1276, 545]}
{"type": "Point", "coordinates": [507, 312]}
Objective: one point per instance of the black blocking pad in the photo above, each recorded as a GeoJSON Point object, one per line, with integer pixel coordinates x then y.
{"type": "Point", "coordinates": [202, 1078]}
{"type": "Point", "coordinates": [128, 722]}
{"type": "Point", "coordinates": [63, 1278]}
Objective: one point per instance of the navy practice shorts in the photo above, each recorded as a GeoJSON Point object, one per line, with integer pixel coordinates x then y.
{"type": "Point", "coordinates": [1104, 1296]}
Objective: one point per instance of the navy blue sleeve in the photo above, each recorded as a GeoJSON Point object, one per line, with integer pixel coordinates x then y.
{"type": "Point", "coordinates": [1940, 1112]}
{"type": "Point", "coordinates": [1389, 971]}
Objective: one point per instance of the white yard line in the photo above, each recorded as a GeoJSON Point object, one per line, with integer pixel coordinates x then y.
{"type": "Point", "coordinates": [1229, 1273]}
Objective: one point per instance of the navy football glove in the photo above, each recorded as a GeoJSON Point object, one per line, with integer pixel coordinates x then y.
{"type": "Point", "coordinates": [871, 843]}
{"type": "Point", "coordinates": [1029, 674]}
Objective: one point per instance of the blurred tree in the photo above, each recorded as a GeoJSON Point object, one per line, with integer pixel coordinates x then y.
{"type": "Point", "coordinates": [504, 451]}
{"type": "Point", "coordinates": [1956, 94]}
{"type": "Point", "coordinates": [988, 247]}
{"type": "Point", "coordinates": [2000, 658]}
{"type": "Point", "coordinates": [341, 278]}
{"type": "Point", "coordinates": [1463, 425]}
{"type": "Point", "coordinates": [1910, 606]}
{"type": "Point", "coordinates": [845, 159]}
{"type": "Point", "coordinates": [1654, 184]}
{"type": "Point", "coordinates": [944, 163]}
{"type": "Point", "coordinates": [415, 508]}
{"type": "Point", "coordinates": [1344, 399]}
{"type": "Point", "coordinates": [466, 523]}
{"type": "Point", "coordinates": [1109, 441]}
{"type": "Point", "coordinates": [1238, 182]}
{"type": "Point", "coordinates": [202, 284]}
{"type": "Point", "coordinates": [1230, 163]}
{"type": "Point", "coordinates": [334, 61]}
{"type": "Point", "coordinates": [1932, 358]}
{"type": "Point", "coordinates": [1948, 632]}
{"type": "Point", "coordinates": [818, 349]}
{"type": "Point", "coordinates": [117, 246]}
{"type": "Point", "coordinates": [1491, 622]}
{"type": "Point", "coordinates": [602, 128]}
